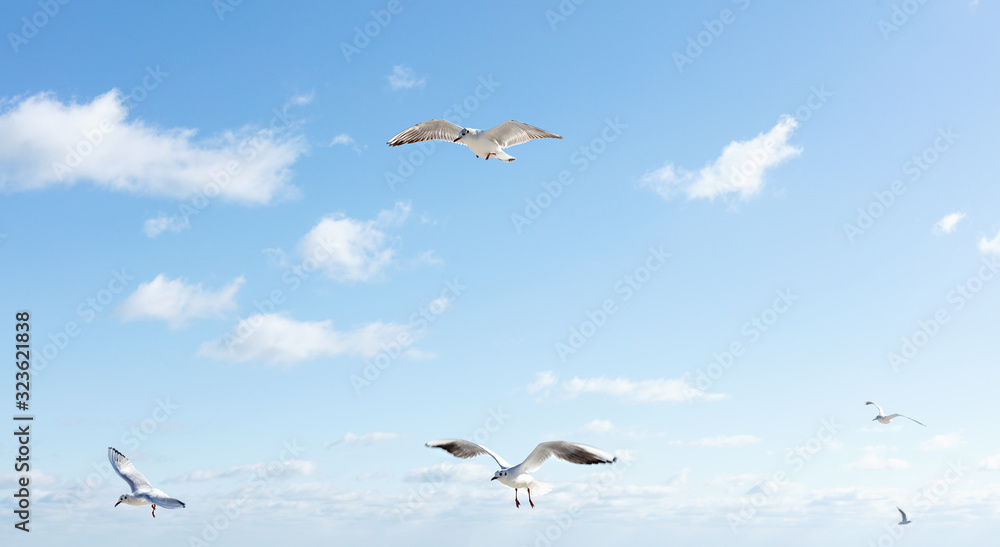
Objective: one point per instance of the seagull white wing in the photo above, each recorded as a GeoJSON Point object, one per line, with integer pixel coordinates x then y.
{"type": "Point", "coordinates": [510, 133]}
{"type": "Point", "coordinates": [566, 451]}
{"type": "Point", "coordinates": [440, 130]}
{"type": "Point", "coordinates": [891, 416]}
{"type": "Point", "coordinates": [466, 449]}
{"type": "Point", "coordinates": [880, 413]}
{"type": "Point", "coordinates": [127, 471]}
{"type": "Point", "coordinates": [161, 499]}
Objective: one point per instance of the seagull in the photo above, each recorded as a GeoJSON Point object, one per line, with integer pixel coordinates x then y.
{"type": "Point", "coordinates": [517, 476]}
{"type": "Point", "coordinates": [143, 493]}
{"type": "Point", "coordinates": [904, 521]}
{"type": "Point", "coordinates": [483, 144]}
{"type": "Point", "coordinates": [883, 419]}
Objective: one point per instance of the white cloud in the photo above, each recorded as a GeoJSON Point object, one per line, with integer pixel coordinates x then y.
{"type": "Point", "coordinates": [943, 442]}
{"type": "Point", "coordinates": [352, 250]}
{"type": "Point", "coordinates": [272, 470]}
{"type": "Point", "coordinates": [176, 302]}
{"type": "Point", "coordinates": [277, 338]}
{"type": "Point", "coordinates": [947, 224]}
{"type": "Point", "coordinates": [543, 380]}
{"type": "Point", "coordinates": [450, 472]}
{"type": "Point", "coordinates": [990, 246]}
{"type": "Point", "coordinates": [992, 463]}
{"type": "Point", "coordinates": [599, 427]}
{"type": "Point", "coordinates": [344, 139]}
{"type": "Point", "coordinates": [366, 439]}
{"type": "Point", "coordinates": [302, 100]}
{"type": "Point", "coordinates": [45, 142]}
{"type": "Point", "coordinates": [873, 459]}
{"type": "Point", "coordinates": [643, 391]}
{"type": "Point", "coordinates": [722, 441]}
{"type": "Point", "coordinates": [739, 169]}
{"type": "Point", "coordinates": [155, 226]}
{"type": "Point", "coordinates": [404, 77]}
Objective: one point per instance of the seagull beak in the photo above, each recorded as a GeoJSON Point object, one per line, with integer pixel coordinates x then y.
{"type": "Point", "coordinates": [119, 501]}
{"type": "Point", "coordinates": [493, 479]}
{"type": "Point", "coordinates": [456, 140]}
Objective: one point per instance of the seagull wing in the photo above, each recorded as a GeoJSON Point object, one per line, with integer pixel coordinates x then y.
{"type": "Point", "coordinates": [901, 416]}
{"type": "Point", "coordinates": [161, 499]}
{"type": "Point", "coordinates": [880, 413]}
{"type": "Point", "coordinates": [127, 471]}
{"type": "Point", "coordinates": [511, 133]}
{"type": "Point", "coordinates": [901, 512]}
{"type": "Point", "coordinates": [466, 449]}
{"type": "Point", "coordinates": [440, 130]}
{"type": "Point", "coordinates": [566, 451]}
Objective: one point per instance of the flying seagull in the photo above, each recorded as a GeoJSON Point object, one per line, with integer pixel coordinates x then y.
{"type": "Point", "coordinates": [483, 144]}
{"type": "Point", "coordinates": [904, 521]}
{"type": "Point", "coordinates": [517, 476]}
{"type": "Point", "coordinates": [883, 419]}
{"type": "Point", "coordinates": [143, 493]}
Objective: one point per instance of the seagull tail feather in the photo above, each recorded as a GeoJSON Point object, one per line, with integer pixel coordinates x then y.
{"type": "Point", "coordinates": [539, 488]}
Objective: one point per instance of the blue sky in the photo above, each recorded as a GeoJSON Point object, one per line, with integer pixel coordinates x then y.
{"type": "Point", "coordinates": [235, 282]}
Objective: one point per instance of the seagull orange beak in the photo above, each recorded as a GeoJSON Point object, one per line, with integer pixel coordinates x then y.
{"type": "Point", "coordinates": [119, 501]}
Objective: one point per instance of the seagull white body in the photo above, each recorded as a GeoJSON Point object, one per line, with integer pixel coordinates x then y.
{"type": "Point", "coordinates": [483, 143]}
{"type": "Point", "coordinates": [142, 493]}
{"type": "Point", "coordinates": [519, 476]}
{"type": "Point", "coordinates": [904, 521]}
{"type": "Point", "coordinates": [883, 419]}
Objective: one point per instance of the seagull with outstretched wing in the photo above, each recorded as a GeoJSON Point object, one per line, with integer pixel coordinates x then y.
{"type": "Point", "coordinates": [518, 476]}
{"type": "Point", "coordinates": [483, 144]}
{"type": "Point", "coordinates": [883, 419]}
{"type": "Point", "coordinates": [142, 493]}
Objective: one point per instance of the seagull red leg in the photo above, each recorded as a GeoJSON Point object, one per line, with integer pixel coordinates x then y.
{"type": "Point", "coordinates": [154, 510]}
{"type": "Point", "coordinates": [516, 503]}
{"type": "Point", "coordinates": [529, 499]}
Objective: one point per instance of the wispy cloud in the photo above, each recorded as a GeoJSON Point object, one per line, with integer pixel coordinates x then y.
{"type": "Point", "coordinates": [598, 427]}
{"type": "Point", "coordinates": [163, 223]}
{"type": "Point", "coordinates": [450, 472]}
{"type": "Point", "coordinates": [992, 463]}
{"type": "Point", "coordinates": [344, 139]}
{"type": "Point", "coordinates": [990, 246]}
{"type": "Point", "coordinates": [543, 381]}
{"type": "Point", "coordinates": [725, 441]}
{"type": "Point", "coordinates": [367, 439]}
{"type": "Point", "coordinates": [642, 391]}
{"type": "Point", "coordinates": [176, 302]}
{"type": "Point", "coordinates": [739, 169]}
{"type": "Point", "coordinates": [873, 459]}
{"type": "Point", "coordinates": [276, 338]}
{"type": "Point", "coordinates": [943, 442]}
{"type": "Point", "coordinates": [948, 223]}
{"type": "Point", "coordinates": [45, 142]}
{"type": "Point", "coordinates": [285, 470]}
{"type": "Point", "coordinates": [404, 77]}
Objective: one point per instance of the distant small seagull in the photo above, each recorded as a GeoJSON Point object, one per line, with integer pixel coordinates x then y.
{"type": "Point", "coordinates": [483, 144]}
{"type": "Point", "coordinates": [883, 419]}
{"type": "Point", "coordinates": [143, 493]}
{"type": "Point", "coordinates": [904, 521]}
{"type": "Point", "coordinates": [517, 476]}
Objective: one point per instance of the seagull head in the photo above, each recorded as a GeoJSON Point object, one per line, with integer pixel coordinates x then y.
{"type": "Point", "coordinates": [462, 134]}
{"type": "Point", "coordinates": [124, 497]}
{"type": "Point", "coordinates": [498, 474]}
